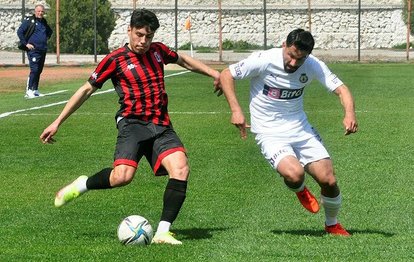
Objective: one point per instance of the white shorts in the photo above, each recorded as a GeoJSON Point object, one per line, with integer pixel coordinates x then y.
{"type": "Point", "coordinates": [306, 150]}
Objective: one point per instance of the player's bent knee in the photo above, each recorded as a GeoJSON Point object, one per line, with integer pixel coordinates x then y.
{"type": "Point", "coordinates": [180, 173]}
{"type": "Point", "coordinates": [122, 176]}
{"type": "Point", "coordinates": [328, 181]}
{"type": "Point", "coordinates": [293, 175]}
{"type": "Point", "coordinates": [294, 179]}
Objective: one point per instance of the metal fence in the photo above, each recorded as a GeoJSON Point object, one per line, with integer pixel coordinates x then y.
{"type": "Point", "coordinates": [360, 26]}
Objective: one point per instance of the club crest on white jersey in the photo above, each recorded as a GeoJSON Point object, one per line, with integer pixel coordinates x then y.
{"type": "Point", "coordinates": [303, 78]}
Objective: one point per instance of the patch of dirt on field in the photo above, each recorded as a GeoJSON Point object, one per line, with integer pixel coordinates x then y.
{"type": "Point", "coordinates": [13, 79]}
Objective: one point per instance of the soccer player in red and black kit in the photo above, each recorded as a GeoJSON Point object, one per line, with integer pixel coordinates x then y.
{"type": "Point", "coordinates": [144, 126]}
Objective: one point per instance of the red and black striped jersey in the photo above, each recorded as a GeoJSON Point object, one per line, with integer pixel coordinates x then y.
{"type": "Point", "coordinates": [139, 81]}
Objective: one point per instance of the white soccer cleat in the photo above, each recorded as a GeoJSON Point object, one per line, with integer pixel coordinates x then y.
{"type": "Point", "coordinates": [68, 193]}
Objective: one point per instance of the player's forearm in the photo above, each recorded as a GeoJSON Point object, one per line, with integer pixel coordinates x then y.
{"type": "Point", "coordinates": [80, 96]}
{"type": "Point", "coordinates": [348, 105]}
{"type": "Point", "coordinates": [197, 66]}
{"type": "Point", "coordinates": [347, 100]}
{"type": "Point", "coordinates": [228, 88]}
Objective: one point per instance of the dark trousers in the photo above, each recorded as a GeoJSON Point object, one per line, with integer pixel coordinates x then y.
{"type": "Point", "coordinates": [36, 62]}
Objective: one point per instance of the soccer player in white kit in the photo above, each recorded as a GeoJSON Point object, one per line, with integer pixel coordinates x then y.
{"type": "Point", "coordinates": [286, 138]}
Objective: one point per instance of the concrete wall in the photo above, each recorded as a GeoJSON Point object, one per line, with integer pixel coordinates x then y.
{"type": "Point", "coordinates": [334, 23]}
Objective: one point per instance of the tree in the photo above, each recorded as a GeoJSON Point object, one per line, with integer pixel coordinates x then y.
{"type": "Point", "coordinates": [76, 20]}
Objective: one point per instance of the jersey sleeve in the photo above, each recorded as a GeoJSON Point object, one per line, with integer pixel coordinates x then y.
{"type": "Point", "coordinates": [105, 69]}
{"type": "Point", "coordinates": [168, 55]}
{"type": "Point", "coordinates": [249, 67]}
{"type": "Point", "coordinates": [324, 75]}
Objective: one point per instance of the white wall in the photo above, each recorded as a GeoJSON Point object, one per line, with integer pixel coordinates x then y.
{"type": "Point", "coordinates": [334, 23]}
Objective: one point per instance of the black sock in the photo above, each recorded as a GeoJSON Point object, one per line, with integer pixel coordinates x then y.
{"type": "Point", "coordinates": [174, 197]}
{"type": "Point", "coordinates": [100, 180]}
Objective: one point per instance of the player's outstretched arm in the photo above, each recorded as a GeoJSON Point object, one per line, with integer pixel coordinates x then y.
{"type": "Point", "coordinates": [83, 93]}
{"type": "Point", "coordinates": [228, 88]}
{"type": "Point", "coordinates": [350, 123]}
{"type": "Point", "coordinates": [195, 65]}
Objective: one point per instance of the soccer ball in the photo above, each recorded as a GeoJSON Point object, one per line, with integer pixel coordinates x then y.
{"type": "Point", "coordinates": [135, 230]}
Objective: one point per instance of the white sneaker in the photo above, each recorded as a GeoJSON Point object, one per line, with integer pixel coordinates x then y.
{"type": "Point", "coordinates": [30, 94]}
{"type": "Point", "coordinates": [37, 93]}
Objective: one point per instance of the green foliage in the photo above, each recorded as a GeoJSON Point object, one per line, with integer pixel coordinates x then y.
{"type": "Point", "coordinates": [76, 20]}
{"type": "Point", "coordinates": [199, 49]}
{"type": "Point", "coordinates": [239, 45]}
{"type": "Point", "coordinates": [405, 13]}
{"type": "Point", "coordinates": [402, 46]}
{"type": "Point", "coordinates": [206, 49]}
{"type": "Point", "coordinates": [186, 46]}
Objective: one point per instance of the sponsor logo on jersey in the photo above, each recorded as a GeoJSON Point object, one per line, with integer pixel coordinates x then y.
{"type": "Point", "coordinates": [94, 75]}
{"type": "Point", "coordinates": [158, 57]}
{"type": "Point", "coordinates": [303, 78]}
{"type": "Point", "coordinates": [130, 66]}
{"type": "Point", "coordinates": [281, 93]}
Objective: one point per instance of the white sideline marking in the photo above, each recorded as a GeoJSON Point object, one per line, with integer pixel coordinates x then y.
{"type": "Point", "coordinates": [6, 114]}
{"type": "Point", "coordinates": [90, 114]}
{"type": "Point", "coordinates": [54, 93]}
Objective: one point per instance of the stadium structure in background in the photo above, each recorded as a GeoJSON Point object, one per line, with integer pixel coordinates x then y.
{"type": "Point", "coordinates": [345, 24]}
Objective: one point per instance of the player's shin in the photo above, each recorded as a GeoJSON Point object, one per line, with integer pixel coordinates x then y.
{"type": "Point", "coordinates": [331, 207]}
{"type": "Point", "coordinates": [100, 180]}
{"type": "Point", "coordinates": [174, 196]}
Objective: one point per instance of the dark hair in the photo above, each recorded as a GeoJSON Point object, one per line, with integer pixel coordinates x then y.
{"type": "Point", "coordinates": [142, 18]}
{"type": "Point", "coordinates": [301, 39]}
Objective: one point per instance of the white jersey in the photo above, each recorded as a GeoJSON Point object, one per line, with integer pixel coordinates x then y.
{"type": "Point", "coordinates": [276, 97]}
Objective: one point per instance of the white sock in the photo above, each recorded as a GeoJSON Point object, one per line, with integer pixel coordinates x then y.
{"type": "Point", "coordinates": [163, 227]}
{"type": "Point", "coordinates": [81, 184]}
{"type": "Point", "coordinates": [299, 188]}
{"type": "Point", "coordinates": [331, 206]}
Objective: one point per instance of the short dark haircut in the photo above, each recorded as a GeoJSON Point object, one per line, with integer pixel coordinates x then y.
{"type": "Point", "coordinates": [301, 39]}
{"type": "Point", "coordinates": [142, 18]}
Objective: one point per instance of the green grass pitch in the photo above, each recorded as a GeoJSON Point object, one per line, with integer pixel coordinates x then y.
{"type": "Point", "coordinates": [237, 208]}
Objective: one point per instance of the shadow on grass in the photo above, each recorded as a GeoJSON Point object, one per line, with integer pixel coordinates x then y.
{"type": "Point", "coordinates": [314, 233]}
{"type": "Point", "coordinates": [197, 233]}
{"type": "Point", "coordinates": [320, 233]}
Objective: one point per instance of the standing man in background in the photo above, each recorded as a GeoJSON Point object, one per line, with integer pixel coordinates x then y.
{"type": "Point", "coordinates": [35, 44]}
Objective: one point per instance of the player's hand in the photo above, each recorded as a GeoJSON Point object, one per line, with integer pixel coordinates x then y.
{"type": "Point", "coordinates": [351, 126]}
{"type": "Point", "coordinates": [218, 90]}
{"type": "Point", "coordinates": [47, 136]}
{"type": "Point", "coordinates": [30, 46]}
{"type": "Point", "coordinates": [217, 84]}
{"type": "Point", "coordinates": [238, 120]}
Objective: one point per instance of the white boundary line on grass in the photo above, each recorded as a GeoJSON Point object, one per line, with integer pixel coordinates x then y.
{"type": "Point", "coordinates": [90, 114]}
{"type": "Point", "coordinates": [6, 114]}
{"type": "Point", "coordinates": [54, 93]}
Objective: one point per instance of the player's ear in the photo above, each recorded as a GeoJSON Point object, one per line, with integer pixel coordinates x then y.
{"type": "Point", "coordinates": [284, 44]}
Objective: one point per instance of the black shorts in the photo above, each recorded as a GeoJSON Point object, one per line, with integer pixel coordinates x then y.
{"type": "Point", "coordinates": [138, 138]}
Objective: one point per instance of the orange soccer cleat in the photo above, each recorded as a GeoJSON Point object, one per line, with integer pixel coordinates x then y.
{"type": "Point", "coordinates": [337, 229]}
{"type": "Point", "coordinates": [308, 201]}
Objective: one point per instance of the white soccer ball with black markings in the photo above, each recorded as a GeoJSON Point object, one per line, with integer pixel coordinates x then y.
{"type": "Point", "coordinates": [135, 230]}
